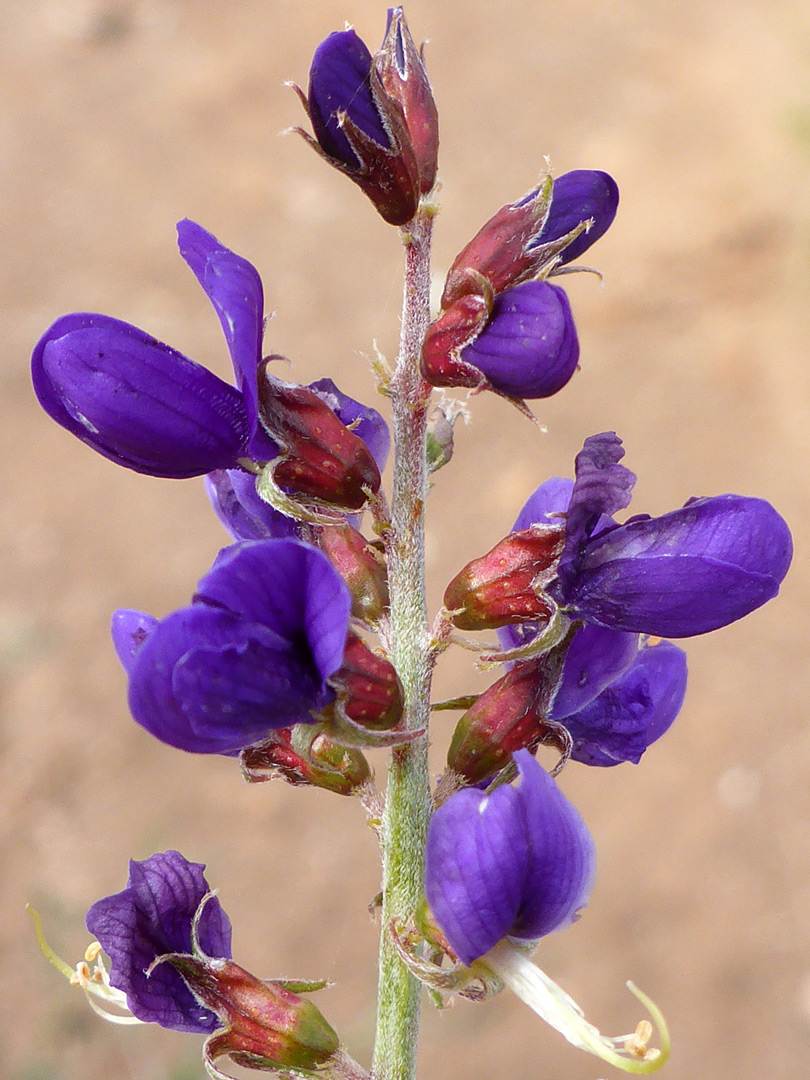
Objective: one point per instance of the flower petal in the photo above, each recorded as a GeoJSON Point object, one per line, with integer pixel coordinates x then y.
{"type": "Point", "coordinates": [209, 682]}
{"type": "Point", "coordinates": [602, 487]}
{"type": "Point", "coordinates": [476, 860]}
{"type": "Point", "coordinates": [234, 287]}
{"type": "Point", "coordinates": [242, 511]}
{"type": "Point", "coordinates": [562, 855]}
{"type": "Point", "coordinates": [153, 916]}
{"type": "Point", "coordinates": [129, 631]}
{"type": "Point", "coordinates": [576, 197]}
{"type": "Point", "coordinates": [518, 862]}
{"type": "Point", "coordinates": [339, 82]}
{"type": "Point", "coordinates": [287, 586]}
{"type": "Point", "coordinates": [688, 572]}
{"type": "Point", "coordinates": [529, 347]}
{"type": "Point", "coordinates": [634, 711]}
{"type": "Point", "coordinates": [595, 659]}
{"type": "Point", "coordinates": [135, 400]}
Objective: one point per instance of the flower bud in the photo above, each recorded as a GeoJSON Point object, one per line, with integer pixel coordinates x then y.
{"type": "Point", "coordinates": [505, 586]}
{"type": "Point", "coordinates": [403, 77]}
{"type": "Point", "coordinates": [499, 250]}
{"type": "Point", "coordinates": [373, 692]}
{"type": "Point", "coordinates": [305, 757]}
{"type": "Point", "coordinates": [359, 128]}
{"type": "Point", "coordinates": [362, 567]}
{"type": "Point", "coordinates": [321, 459]}
{"type": "Point", "coordinates": [267, 1026]}
{"type": "Point", "coordinates": [510, 716]}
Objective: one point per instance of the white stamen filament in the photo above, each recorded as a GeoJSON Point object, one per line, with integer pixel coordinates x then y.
{"type": "Point", "coordinates": [95, 982]}
{"type": "Point", "coordinates": [552, 1004]}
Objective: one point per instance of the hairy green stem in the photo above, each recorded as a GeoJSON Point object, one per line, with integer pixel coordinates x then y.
{"type": "Point", "coordinates": [408, 795]}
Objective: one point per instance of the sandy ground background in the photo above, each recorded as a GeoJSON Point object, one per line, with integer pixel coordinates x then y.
{"type": "Point", "coordinates": [116, 120]}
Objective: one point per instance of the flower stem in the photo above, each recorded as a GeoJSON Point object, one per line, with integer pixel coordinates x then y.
{"type": "Point", "coordinates": [408, 793]}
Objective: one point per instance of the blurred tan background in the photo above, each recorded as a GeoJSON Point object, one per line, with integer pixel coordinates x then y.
{"type": "Point", "coordinates": [118, 118]}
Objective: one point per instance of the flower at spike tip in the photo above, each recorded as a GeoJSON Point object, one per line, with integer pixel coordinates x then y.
{"type": "Point", "coordinates": [503, 326]}
{"type": "Point", "coordinates": [506, 868]}
{"type": "Point", "coordinates": [254, 651]}
{"type": "Point", "coordinates": [374, 118]}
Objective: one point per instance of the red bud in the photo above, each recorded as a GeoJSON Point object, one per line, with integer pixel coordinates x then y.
{"type": "Point", "coordinates": [362, 567]}
{"type": "Point", "coordinates": [505, 586]}
{"type": "Point", "coordinates": [373, 691]}
{"type": "Point", "coordinates": [321, 458]}
{"type": "Point", "coordinates": [499, 251]}
{"type": "Point", "coordinates": [404, 79]}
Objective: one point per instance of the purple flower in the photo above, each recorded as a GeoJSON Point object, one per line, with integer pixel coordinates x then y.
{"type": "Point", "coordinates": [361, 127]}
{"type": "Point", "coordinates": [687, 572]}
{"type": "Point", "coordinates": [529, 347]}
{"type": "Point", "coordinates": [340, 83]}
{"type": "Point", "coordinates": [144, 405]}
{"type": "Point", "coordinates": [233, 493]}
{"type": "Point", "coordinates": [516, 863]}
{"type": "Point", "coordinates": [631, 712]}
{"type": "Point", "coordinates": [582, 195]}
{"type": "Point", "coordinates": [152, 916]}
{"type": "Point", "coordinates": [243, 512]}
{"type": "Point", "coordinates": [253, 651]}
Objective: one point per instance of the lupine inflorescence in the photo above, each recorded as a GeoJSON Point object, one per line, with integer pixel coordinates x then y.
{"type": "Point", "coordinates": [274, 659]}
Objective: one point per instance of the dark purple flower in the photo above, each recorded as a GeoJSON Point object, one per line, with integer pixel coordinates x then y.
{"type": "Point", "coordinates": [152, 916]}
{"type": "Point", "coordinates": [252, 652]}
{"type": "Point", "coordinates": [582, 195]}
{"type": "Point", "coordinates": [529, 347]}
{"type": "Point", "coordinates": [340, 82]}
{"type": "Point", "coordinates": [144, 405]}
{"type": "Point", "coordinates": [361, 129]}
{"type": "Point", "coordinates": [687, 572]}
{"type": "Point", "coordinates": [632, 712]}
{"type": "Point", "coordinates": [516, 863]}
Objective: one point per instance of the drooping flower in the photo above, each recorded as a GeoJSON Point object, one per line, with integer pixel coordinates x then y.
{"type": "Point", "coordinates": [503, 327]}
{"type": "Point", "coordinates": [687, 572]}
{"type": "Point", "coordinates": [374, 118]}
{"type": "Point", "coordinates": [169, 943]}
{"type": "Point", "coordinates": [153, 916]}
{"type": "Point", "coordinates": [254, 651]}
{"type": "Point", "coordinates": [517, 863]}
{"type": "Point", "coordinates": [506, 868]}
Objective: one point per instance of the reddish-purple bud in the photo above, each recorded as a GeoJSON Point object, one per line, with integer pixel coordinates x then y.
{"type": "Point", "coordinates": [510, 716]}
{"type": "Point", "coordinates": [321, 459]}
{"type": "Point", "coordinates": [447, 336]}
{"type": "Point", "coordinates": [362, 567]}
{"type": "Point", "coordinates": [499, 251]}
{"type": "Point", "coordinates": [373, 692]}
{"type": "Point", "coordinates": [506, 586]}
{"type": "Point", "coordinates": [404, 79]}
{"type": "Point", "coordinates": [266, 1025]}
{"type": "Point", "coordinates": [305, 757]}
